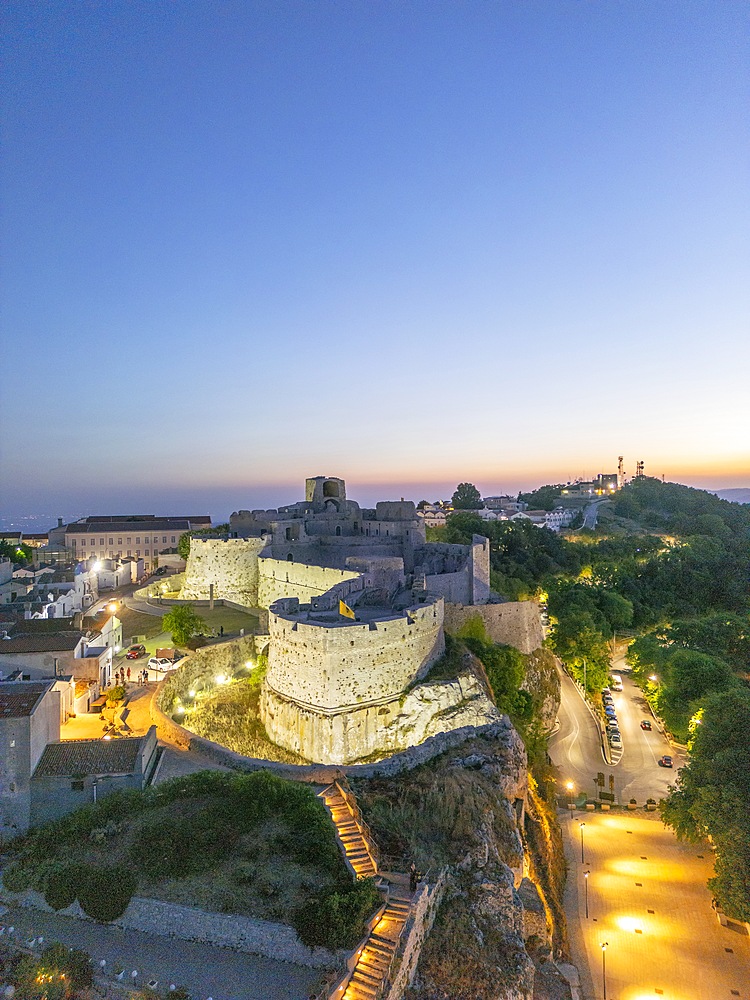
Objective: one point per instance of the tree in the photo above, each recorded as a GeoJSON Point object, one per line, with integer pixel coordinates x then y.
{"type": "Point", "coordinates": [467, 497]}
{"type": "Point", "coordinates": [711, 796]}
{"type": "Point", "coordinates": [183, 546]}
{"type": "Point", "coordinates": [543, 498]}
{"type": "Point", "coordinates": [183, 623]}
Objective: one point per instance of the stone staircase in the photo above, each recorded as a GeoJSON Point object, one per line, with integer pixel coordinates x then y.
{"type": "Point", "coordinates": [371, 974]}
{"type": "Point", "coordinates": [372, 971]}
{"type": "Point", "coordinates": [352, 832]}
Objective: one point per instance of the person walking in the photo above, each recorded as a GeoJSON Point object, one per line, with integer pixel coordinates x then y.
{"type": "Point", "coordinates": [128, 675]}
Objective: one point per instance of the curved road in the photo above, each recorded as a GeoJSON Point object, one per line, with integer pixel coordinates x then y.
{"type": "Point", "coordinates": [576, 748]}
{"type": "Point", "coordinates": [645, 895]}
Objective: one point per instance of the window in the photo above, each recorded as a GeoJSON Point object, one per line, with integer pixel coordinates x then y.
{"type": "Point", "coordinates": [101, 541]}
{"type": "Point", "coordinates": [147, 552]}
{"type": "Point", "coordinates": [164, 538]}
{"type": "Point", "coordinates": [138, 540]}
{"type": "Point", "coordinates": [137, 552]}
{"type": "Point", "coordinates": [83, 543]}
{"type": "Point", "coordinates": [130, 552]}
{"type": "Point", "coordinates": [111, 541]}
{"type": "Point", "coordinates": [173, 538]}
{"type": "Point", "coordinates": [119, 541]}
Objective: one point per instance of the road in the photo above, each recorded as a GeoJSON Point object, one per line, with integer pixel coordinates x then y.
{"type": "Point", "coordinates": [647, 892]}
{"type": "Point", "coordinates": [206, 971]}
{"type": "Point", "coordinates": [576, 748]}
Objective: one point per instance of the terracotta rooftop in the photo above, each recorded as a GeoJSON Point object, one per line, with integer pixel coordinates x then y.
{"type": "Point", "coordinates": [18, 700]}
{"type": "Point", "coordinates": [119, 756]}
{"type": "Point", "coordinates": [62, 641]}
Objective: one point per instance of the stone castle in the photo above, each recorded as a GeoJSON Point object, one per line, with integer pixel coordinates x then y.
{"type": "Point", "coordinates": [342, 687]}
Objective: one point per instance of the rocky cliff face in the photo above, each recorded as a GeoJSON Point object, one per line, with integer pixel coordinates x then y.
{"type": "Point", "coordinates": [542, 681]}
{"type": "Point", "coordinates": [466, 810]}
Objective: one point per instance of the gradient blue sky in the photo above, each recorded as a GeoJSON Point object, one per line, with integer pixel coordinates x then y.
{"type": "Point", "coordinates": [405, 243]}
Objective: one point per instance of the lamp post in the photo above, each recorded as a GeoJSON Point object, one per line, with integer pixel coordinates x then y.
{"type": "Point", "coordinates": [586, 885]}
{"type": "Point", "coordinates": [570, 786]}
{"type": "Point", "coordinates": [581, 825]}
{"type": "Point", "coordinates": [605, 945]}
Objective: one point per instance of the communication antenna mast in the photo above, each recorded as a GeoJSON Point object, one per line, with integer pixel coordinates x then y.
{"type": "Point", "coordinates": [639, 469]}
{"type": "Point", "coordinates": [620, 474]}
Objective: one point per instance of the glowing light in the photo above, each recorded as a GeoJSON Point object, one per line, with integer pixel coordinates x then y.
{"type": "Point", "coordinates": [249, 664]}
{"type": "Point", "coordinates": [192, 694]}
{"type": "Point", "coordinates": [112, 607]}
{"type": "Point", "coordinates": [97, 566]}
{"type": "Point", "coordinates": [180, 709]}
{"type": "Point", "coordinates": [630, 924]}
{"type": "Point", "coordinates": [569, 785]}
{"type": "Point", "coordinates": [221, 679]}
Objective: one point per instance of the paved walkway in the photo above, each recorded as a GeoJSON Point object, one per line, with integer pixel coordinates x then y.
{"type": "Point", "coordinates": [206, 971]}
{"type": "Point", "coordinates": [647, 898]}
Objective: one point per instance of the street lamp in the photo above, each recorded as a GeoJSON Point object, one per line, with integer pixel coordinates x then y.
{"type": "Point", "coordinates": [581, 825]}
{"type": "Point", "coordinates": [605, 945]}
{"type": "Point", "coordinates": [570, 786]}
{"type": "Point", "coordinates": [586, 885]}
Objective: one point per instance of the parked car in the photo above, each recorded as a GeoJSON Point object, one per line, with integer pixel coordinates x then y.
{"type": "Point", "coordinates": [615, 741]}
{"type": "Point", "coordinates": [605, 691]}
{"type": "Point", "coordinates": [665, 761]}
{"type": "Point", "coordinates": [612, 725]}
{"type": "Point", "coordinates": [161, 664]}
{"type": "Point", "coordinates": [616, 682]}
{"type": "Point", "coordinates": [610, 710]}
{"type": "Point", "coordinates": [136, 652]}
{"type": "Point", "coordinates": [607, 699]}
{"type": "Point", "coordinates": [645, 724]}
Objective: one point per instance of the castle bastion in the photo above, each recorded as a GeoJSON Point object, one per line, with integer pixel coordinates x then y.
{"type": "Point", "coordinates": [340, 689]}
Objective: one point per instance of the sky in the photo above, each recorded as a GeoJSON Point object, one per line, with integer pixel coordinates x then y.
{"type": "Point", "coordinates": [409, 244]}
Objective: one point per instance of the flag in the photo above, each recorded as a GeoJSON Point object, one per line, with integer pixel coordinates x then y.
{"type": "Point", "coordinates": [345, 610]}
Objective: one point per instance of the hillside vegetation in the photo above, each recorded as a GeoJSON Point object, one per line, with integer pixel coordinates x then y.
{"type": "Point", "coordinates": [279, 859]}
{"type": "Point", "coordinates": [671, 570]}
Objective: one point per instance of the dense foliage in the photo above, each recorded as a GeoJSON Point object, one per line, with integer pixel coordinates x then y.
{"type": "Point", "coordinates": [133, 841]}
{"type": "Point", "coordinates": [467, 497]}
{"type": "Point", "coordinates": [183, 623]}
{"type": "Point", "coordinates": [337, 919]}
{"type": "Point", "coordinates": [712, 795]}
{"type": "Point", "coordinates": [544, 497]}
{"type": "Point", "coordinates": [19, 555]}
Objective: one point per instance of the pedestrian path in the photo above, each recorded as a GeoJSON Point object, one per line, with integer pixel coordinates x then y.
{"type": "Point", "coordinates": [371, 974]}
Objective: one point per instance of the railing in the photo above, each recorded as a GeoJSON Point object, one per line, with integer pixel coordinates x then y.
{"type": "Point", "coordinates": [348, 796]}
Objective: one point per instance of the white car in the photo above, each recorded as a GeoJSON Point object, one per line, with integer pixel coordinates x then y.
{"type": "Point", "coordinates": [161, 664]}
{"type": "Point", "coordinates": [615, 742]}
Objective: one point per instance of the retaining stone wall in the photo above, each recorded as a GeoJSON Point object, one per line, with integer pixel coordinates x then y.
{"type": "Point", "coordinates": [424, 910]}
{"type": "Point", "coordinates": [515, 623]}
{"type": "Point", "coordinates": [245, 934]}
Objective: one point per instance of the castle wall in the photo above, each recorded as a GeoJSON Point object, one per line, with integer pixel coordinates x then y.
{"type": "Point", "coordinates": [516, 623]}
{"type": "Point", "coordinates": [380, 730]}
{"type": "Point", "coordinates": [281, 578]}
{"type": "Point", "coordinates": [231, 565]}
{"type": "Point", "coordinates": [480, 569]}
{"type": "Point", "coordinates": [351, 664]}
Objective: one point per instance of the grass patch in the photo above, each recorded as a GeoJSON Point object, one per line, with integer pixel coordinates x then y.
{"type": "Point", "coordinates": [434, 816]}
{"type": "Point", "coordinates": [229, 714]}
{"type": "Point", "coordinates": [253, 844]}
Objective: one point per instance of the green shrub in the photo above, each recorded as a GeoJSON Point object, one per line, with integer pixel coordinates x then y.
{"type": "Point", "coordinates": [16, 877]}
{"type": "Point", "coordinates": [61, 885]}
{"type": "Point", "coordinates": [337, 920]}
{"type": "Point", "coordinates": [162, 845]}
{"type": "Point", "coordinates": [117, 693]}
{"type": "Point", "coordinates": [105, 892]}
